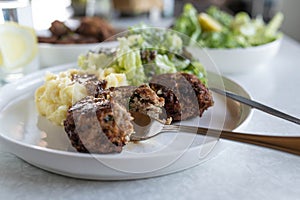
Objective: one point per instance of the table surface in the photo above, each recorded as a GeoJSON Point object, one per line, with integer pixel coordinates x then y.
{"type": "Point", "coordinates": [238, 171]}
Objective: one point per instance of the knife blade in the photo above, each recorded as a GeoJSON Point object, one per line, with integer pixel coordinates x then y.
{"type": "Point", "coordinates": [257, 105]}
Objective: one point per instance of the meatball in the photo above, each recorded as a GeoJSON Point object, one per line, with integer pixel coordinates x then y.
{"type": "Point", "coordinates": [139, 99]}
{"type": "Point", "coordinates": [91, 30]}
{"type": "Point", "coordinates": [92, 84]}
{"type": "Point", "coordinates": [102, 123]}
{"type": "Point", "coordinates": [98, 125]}
{"type": "Point", "coordinates": [59, 29]}
{"type": "Point", "coordinates": [146, 101]}
{"type": "Point", "coordinates": [185, 96]}
{"type": "Point", "coordinates": [122, 94]}
{"type": "Point", "coordinates": [95, 27]}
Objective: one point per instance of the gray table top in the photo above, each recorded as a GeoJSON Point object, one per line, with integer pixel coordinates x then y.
{"type": "Point", "coordinates": [238, 171]}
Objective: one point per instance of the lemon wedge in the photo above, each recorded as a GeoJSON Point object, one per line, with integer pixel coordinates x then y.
{"type": "Point", "coordinates": [18, 45]}
{"type": "Point", "coordinates": [208, 23]}
{"type": "Point", "coordinates": [1, 59]}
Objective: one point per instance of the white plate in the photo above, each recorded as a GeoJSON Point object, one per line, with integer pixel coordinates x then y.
{"type": "Point", "coordinates": [37, 141]}
{"type": "Point", "coordinates": [58, 54]}
{"type": "Point", "coordinates": [238, 60]}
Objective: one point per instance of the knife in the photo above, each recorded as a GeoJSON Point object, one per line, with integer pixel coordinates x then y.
{"type": "Point", "coordinates": [257, 105]}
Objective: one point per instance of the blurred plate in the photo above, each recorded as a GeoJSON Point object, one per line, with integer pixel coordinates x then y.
{"type": "Point", "coordinates": [34, 139]}
{"type": "Point", "coordinates": [57, 54]}
{"type": "Point", "coordinates": [238, 60]}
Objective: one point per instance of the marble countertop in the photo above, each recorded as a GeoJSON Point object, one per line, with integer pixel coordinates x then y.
{"type": "Point", "coordinates": [238, 171]}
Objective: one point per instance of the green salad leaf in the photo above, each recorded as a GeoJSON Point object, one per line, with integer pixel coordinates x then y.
{"type": "Point", "coordinates": [237, 31]}
{"type": "Point", "coordinates": [145, 37]}
{"type": "Point", "coordinates": [187, 22]}
{"type": "Point", "coordinates": [145, 52]}
{"type": "Point", "coordinates": [224, 18]}
{"type": "Point", "coordinates": [129, 62]}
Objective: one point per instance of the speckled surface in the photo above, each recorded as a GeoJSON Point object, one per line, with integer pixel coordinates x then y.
{"type": "Point", "coordinates": [239, 171]}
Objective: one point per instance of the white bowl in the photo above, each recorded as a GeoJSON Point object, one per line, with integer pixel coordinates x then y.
{"type": "Point", "coordinates": [237, 60]}
{"type": "Point", "coordinates": [57, 54]}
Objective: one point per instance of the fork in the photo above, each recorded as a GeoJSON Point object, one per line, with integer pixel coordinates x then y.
{"type": "Point", "coordinates": [257, 105]}
{"type": "Point", "coordinates": [289, 144]}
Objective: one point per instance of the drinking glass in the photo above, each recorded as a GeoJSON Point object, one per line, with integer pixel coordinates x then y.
{"type": "Point", "coordinates": [18, 12]}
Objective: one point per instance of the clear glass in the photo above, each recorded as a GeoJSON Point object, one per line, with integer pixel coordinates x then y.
{"type": "Point", "coordinates": [18, 11]}
{"type": "Point", "coordinates": [101, 8]}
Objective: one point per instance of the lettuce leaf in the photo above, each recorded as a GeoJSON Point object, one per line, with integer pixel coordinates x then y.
{"type": "Point", "coordinates": [187, 23]}
{"type": "Point", "coordinates": [129, 62]}
{"type": "Point", "coordinates": [238, 31]}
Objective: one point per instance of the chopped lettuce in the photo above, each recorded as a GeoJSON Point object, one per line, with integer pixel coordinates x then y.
{"type": "Point", "coordinates": [274, 25]}
{"type": "Point", "coordinates": [224, 18]}
{"type": "Point", "coordinates": [129, 62]}
{"type": "Point", "coordinates": [143, 53]}
{"type": "Point", "coordinates": [94, 61]}
{"type": "Point", "coordinates": [164, 65]}
{"type": "Point", "coordinates": [237, 31]}
{"type": "Point", "coordinates": [197, 68]}
{"type": "Point", "coordinates": [187, 23]}
{"type": "Point", "coordinates": [145, 37]}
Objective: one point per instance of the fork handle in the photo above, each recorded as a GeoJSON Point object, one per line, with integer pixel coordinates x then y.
{"type": "Point", "coordinates": [290, 144]}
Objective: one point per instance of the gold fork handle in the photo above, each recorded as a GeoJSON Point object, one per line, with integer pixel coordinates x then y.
{"type": "Point", "coordinates": [290, 144]}
{"type": "Point", "coordinates": [282, 143]}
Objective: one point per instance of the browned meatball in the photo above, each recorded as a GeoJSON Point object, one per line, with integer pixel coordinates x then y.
{"type": "Point", "coordinates": [185, 96]}
{"type": "Point", "coordinates": [146, 101]}
{"type": "Point", "coordinates": [95, 27]}
{"type": "Point", "coordinates": [92, 84]}
{"type": "Point", "coordinates": [98, 125]}
{"type": "Point", "coordinates": [91, 30]}
{"type": "Point", "coordinates": [122, 94]}
{"type": "Point", "coordinates": [137, 99]}
{"type": "Point", "coordinates": [58, 28]}
{"type": "Point", "coordinates": [101, 123]}
{"type": "Point", "coordinates": [51, 39]}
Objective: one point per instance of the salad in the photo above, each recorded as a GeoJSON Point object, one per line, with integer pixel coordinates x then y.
{"type": "Point", "coordinates": [142, 53]}
{"type": "Point", "coordinates": [215, 28]}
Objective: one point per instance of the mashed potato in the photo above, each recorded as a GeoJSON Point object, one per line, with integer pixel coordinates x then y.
{"type": "Point", "coordinates": [60, 92]}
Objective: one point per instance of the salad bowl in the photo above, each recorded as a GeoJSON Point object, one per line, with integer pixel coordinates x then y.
{"type": "Point", "coordinates": [235, 43]}
{"type": "Point", "coordinates": [238, 60]}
